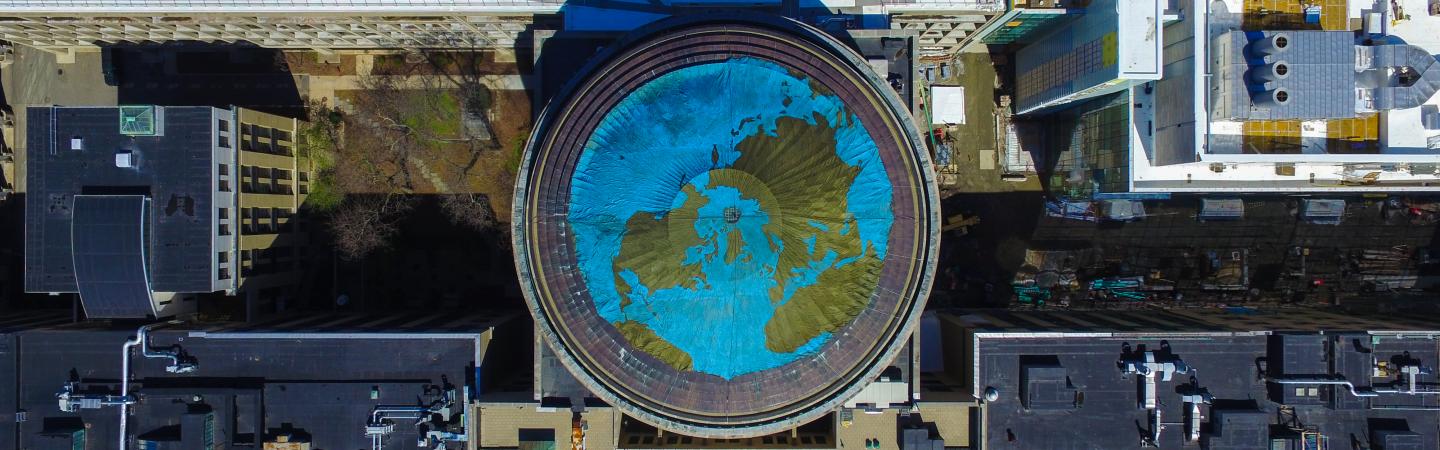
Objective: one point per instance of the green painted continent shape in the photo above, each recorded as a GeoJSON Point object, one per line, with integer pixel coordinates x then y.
{"type": "Point", "coordinates": [811, 184]}
{"type": "Point", "coordinates": [654, 248]}
{"type": "Point", "coordinates": [644, 339]}
{"type": "Point", "coordinates": [802, 185]}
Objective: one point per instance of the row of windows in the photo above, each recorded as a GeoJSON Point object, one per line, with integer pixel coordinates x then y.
{"type": "Point", "coordinates": [255, 138]}
{"type": "Point", "coordinates": [222, 138]}
{"type": "Point", "coordinates": [264, 261]}
{"type": "Point", "coordinates": [223, 172]}
{"type": "Point", "coordinates": [266, 220]}
{"type": "Point", "coordinates": [277, 259]}
{"type": "Point", "coordinates": [265, 180]}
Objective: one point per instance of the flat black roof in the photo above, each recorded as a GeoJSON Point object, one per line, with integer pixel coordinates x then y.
{"type": "Point", "coordinates": [312, 384]}
{"type": "Point", "coordinates": [173, 169]}
{"type": "Point", "coordinates": [1107, 412]}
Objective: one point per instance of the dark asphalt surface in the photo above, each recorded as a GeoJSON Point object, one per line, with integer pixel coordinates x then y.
{"type": "Point", "coordinates": [976, 269]}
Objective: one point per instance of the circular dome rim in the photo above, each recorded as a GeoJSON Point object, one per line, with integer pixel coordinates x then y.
{"type": "Point", "coordinates": [794, 411]}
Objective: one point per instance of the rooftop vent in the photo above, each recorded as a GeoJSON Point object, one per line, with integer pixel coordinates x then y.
{"type": "Point", "coordinates": [124, 159]}
{"type": "Point", "coordinates": [1270, 45]}
{"type": "Point", "coordinates": [1271, 98]}
{"type": "Point", "coordinates": [1406, 76]}
{"type": "Point", "coordinates": [1274, 71]}
{"type": "Point", "coordinates": [77, 143]}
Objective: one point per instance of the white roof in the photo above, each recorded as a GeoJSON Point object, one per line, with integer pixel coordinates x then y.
{"type": "Point", "coordinates": [947, 105]}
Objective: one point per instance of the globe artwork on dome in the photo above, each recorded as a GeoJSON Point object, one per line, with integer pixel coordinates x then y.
{"type": "Point", "coordinates": [729, 216]}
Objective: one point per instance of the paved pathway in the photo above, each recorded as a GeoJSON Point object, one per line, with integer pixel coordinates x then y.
{"type": "Point", "coordinates": [429, 175]}
{"type": "Point", "coordinates": [35, 79]}
{"type": "Point", "coordinates": [325, 86]}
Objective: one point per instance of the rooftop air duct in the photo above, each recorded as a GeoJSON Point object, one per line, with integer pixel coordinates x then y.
{"type": "Point", "coordinates": [1271, 98]}
{"type": "Point", "coordinates": [1269, 46]}
{"type": "Point", "coordinates": [1272, 72]}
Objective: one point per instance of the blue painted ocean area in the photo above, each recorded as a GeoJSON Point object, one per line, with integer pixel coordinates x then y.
{"type": "Point", "coordinates": [670, 133]}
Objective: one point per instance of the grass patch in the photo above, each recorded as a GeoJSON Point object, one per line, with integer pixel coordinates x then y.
{"type": "Point", "coordinates": [517, 153]}
{"type": "Point", "coordinates": [319, 148]}
{"type": "Point", "coordinates": [324, 195]}
{"type": "Point", "coordinates": [440, 115]}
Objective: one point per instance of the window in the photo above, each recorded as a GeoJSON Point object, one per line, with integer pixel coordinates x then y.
{"type": "Point", "coordinates": [224, 213]}
{"type": "Point", "coordinates": [222, 141]}
{"type": "Point", "coordinates": [224, 257]}
{"type": "Point", "coordinates": [224, 229]}
{"type": "Point", "coordinates": [223, 125]}
{"type": "Point", "coordinates": [224, 273]}
{"type": "Point", "coordinates": [224, 185]}
{"type": "Point", "coordinates": [223, 169]}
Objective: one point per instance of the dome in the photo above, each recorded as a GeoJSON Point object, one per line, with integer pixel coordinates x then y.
{"type": "Point", "coordinates": [726, 225]}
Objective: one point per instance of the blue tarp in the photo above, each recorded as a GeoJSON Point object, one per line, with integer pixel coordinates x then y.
{"type": "Point", "coordinates": [666, 138]}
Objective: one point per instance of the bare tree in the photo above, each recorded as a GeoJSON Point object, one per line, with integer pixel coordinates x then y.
{"type": "Point", "coordinates": [470, 210]}
{"type": "Point", "coordinates": [364, 224]}
{"type": "Point", "coordinates": [402, 128]}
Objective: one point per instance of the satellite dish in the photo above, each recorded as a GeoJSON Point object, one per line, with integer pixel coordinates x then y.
{"type": "Point", "coordinates": [342, 300]}
{"type": "Point", "coordinates": [992, 394]}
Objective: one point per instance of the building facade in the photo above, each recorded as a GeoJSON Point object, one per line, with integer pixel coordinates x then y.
{"type": "Point", "coordinates": [391, 381]}
{"type": "Point", "coordinates": [64, 26]}
{"type": "Point", "coordinates": [139, 209]}
{"type": "Point", "coordinates": [1334, 98]}
{"type": "Point", "coordinates": [1213, 378]}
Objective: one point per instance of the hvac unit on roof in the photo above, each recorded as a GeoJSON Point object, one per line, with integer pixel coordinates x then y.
{"type": "Point", "coordinates": [77, 143]}
{"type": "Point", "coordinates": [124, 159]}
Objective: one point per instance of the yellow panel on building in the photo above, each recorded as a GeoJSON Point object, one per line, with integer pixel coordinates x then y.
{"type": "Point", "coordinates": [1271, 136]}
{"type": "Point", "coordinates": [1290, 15]}
{"type": "Point", "coordinates": [1358, 135]}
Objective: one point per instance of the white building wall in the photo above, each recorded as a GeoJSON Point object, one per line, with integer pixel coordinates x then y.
{"type": "Point", "coordinates": [225, 232]}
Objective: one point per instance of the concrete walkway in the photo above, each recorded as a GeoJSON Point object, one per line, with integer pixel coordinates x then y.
{"type": "Point", "coordinates": [318, 87]}
{"type": "Point", "coordinates": [37, 79]}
